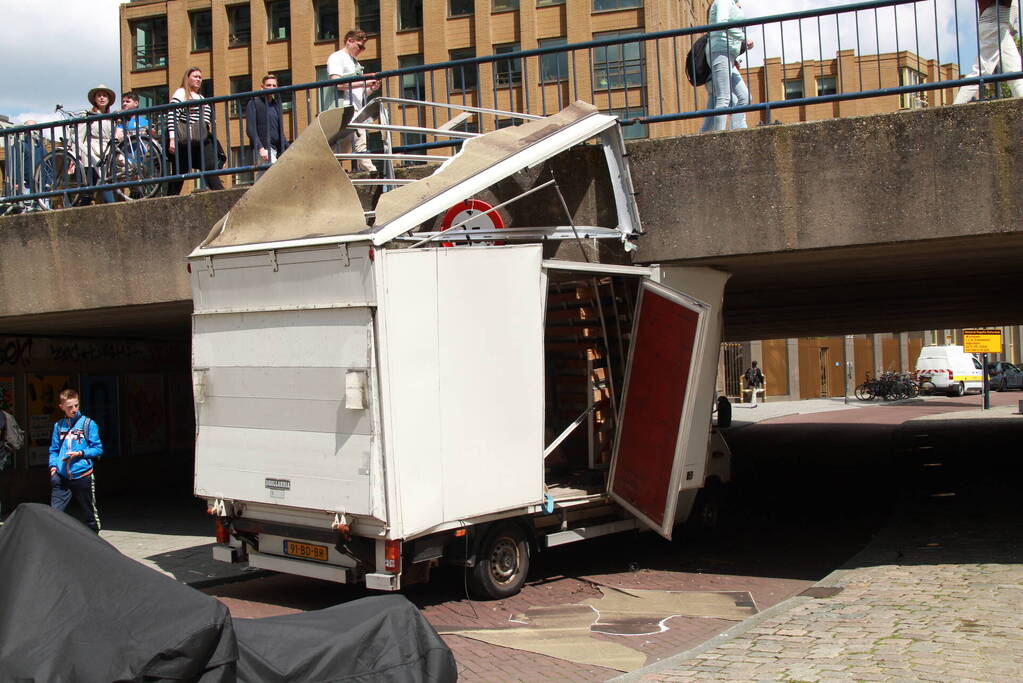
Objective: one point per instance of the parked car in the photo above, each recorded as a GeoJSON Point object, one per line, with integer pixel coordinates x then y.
{"type": "Point", "coordinates": [1002, 376]}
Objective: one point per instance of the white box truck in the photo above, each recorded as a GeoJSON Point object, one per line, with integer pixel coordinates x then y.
{"type": "Point", "coordinates": [370, 405]}
{"type": "Point", "coordinates": [949, 370]}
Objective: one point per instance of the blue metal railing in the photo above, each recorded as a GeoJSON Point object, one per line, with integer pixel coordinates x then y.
{"type": "Point", "coordinates": [638, 76]}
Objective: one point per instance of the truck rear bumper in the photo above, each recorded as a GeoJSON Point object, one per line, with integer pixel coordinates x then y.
{"type": "Point", "coordinates": [287, 565]}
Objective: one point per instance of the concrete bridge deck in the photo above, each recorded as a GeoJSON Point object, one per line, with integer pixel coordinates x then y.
{"type": "Point", "coordinates": [909, 220]}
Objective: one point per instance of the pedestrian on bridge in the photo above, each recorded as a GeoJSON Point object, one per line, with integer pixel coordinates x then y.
{"type": "Point", "coordinates": [997, 46]}
{"type": "Point", "coordinates": [726, 87]}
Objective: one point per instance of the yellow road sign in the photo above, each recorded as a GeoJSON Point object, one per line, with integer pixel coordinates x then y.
{"type": "Point", "coordinates": [982, 341]}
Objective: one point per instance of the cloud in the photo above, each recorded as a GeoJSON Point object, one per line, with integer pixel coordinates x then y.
{"type": "Point", "coordinates": [54, 51]}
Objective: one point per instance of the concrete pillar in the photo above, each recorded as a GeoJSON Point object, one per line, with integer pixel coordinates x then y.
{"type": "Point", "coordinates": [756, 352]}
{"type": "Point", "coordinates": [878, 354]}
{"type": "Point", "coordinates": [792, 348]}
{"type": "Point", "coordinates": [903, 338]}
{"type": "Point", "coordinates": [850, 363]}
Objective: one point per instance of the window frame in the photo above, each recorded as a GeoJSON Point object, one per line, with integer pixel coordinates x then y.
{"type": "Point", "coordinates": [511, 72]}
{"type": "Point", "coordinates": [234, 109]}
{"type": "Point", "coordinates": [494, 9]}
{"type": "Point", "coordinates": [452, 14]}
{"type": "Point", "coordinates": [416, 6]}
{"type": "Point", "coordinates": [234, 37]}
{"type": "Point", "coordinates": [619, 5]}
{"type": "Point", "coordinates": [270, 21]}
{"type": "Point", "coordinates": [319, 36]}
{"type": "Point", "coordinates": [451, 71]}
{"type": "Point", "coordinates": [192, 17]}
{"type": "Point", "coordinates": [834, 85]}
{"type": "Point", "coordinates": [369, 26]}
{"type": "Point", "coordinates": [158, 60]}
{"type": "Point", "coordinates": [418, 79]}
{"type": "Point", "coordinates": [792, 81]}
{"type": "Point", "coordinates": [559, 41]}
{"type": "Point", "coordinates": [628, 65]}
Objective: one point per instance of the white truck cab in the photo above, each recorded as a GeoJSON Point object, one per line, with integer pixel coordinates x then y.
{"type": "Point", "coordinates": [370, 404]}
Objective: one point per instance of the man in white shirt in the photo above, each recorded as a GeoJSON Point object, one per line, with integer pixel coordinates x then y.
{"type": "Point", "coordinates": [343, 63]}
{"type": "Point", "coordinates": [997, 22]}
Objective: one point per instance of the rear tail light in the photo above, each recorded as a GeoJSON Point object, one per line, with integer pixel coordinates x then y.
{"type": "Point", "coordinates": [223, 532]}
{"type": "Point", "coordinates": [392, 556]}
{"type": "Point", "coordinates": [950, 376]}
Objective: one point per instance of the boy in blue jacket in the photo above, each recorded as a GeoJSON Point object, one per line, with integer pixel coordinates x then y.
{"type": "Point", "coordinates": [74, 444]}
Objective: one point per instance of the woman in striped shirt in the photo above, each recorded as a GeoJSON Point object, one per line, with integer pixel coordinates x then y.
{"type": "Point", "coordinates": [190, 137]}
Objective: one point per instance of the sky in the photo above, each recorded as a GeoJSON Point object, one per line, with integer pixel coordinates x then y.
{"type": "Point", "coordinates": [38, 76]}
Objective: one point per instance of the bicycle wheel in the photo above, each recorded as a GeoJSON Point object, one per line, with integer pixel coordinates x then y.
{"type": "Point", "coordinates": [137, 159]}
{"type": "Point", "coordinates": [927, 387]}
{"type": "Point", "coordinates": [864, 392]}
{"type": "Point", "coordinates": [59, 170]}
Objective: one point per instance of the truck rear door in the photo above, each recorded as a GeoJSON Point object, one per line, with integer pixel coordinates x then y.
{"type": "Point", "coordinates": [652, 459]}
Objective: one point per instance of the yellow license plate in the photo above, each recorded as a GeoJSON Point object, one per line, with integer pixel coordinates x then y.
{"type": "Point", "coordinates": [307, 551]}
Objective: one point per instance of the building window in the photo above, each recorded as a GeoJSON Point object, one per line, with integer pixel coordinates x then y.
{"type": "Point", "coordinates": [278, 19]}
{"type": "Point", "coordinates": [202, 30]}
{"type": "Point", "coordinates": [326, 20]}
{"type": "Point", "coordinates": [505, 5]}
{"type": "Point", "coordinates": [601, 5]}
{"type": "Point", "coordinates": [545, 3]}
{"type": "Point", "coordinates": [618, 66]}
{"type": "Point", "coordinates": [413, 86]}
{"type": "Point", "coordinates": [634, 131]}
{"type": "Point", "coordinates": [507, 72]}
{"type": "Point", "coordinates": [911, 100]}
{"type": "Point", "coordinates": [463, 78]}
{"type": "Point", "coordinates": [367, 16]}
{"type": "Point", "coordinates": [150, 97]}
{"type": "Point", "coordinates": [827, 85]}
{"type": "Point", "coordinates": [328, 96]}
{"type": "Point", "coordinates": [413, 139]}
{"type": "Point", "coordinates": [206, 89]}
{"type": "Point", "coordinates": [793, 89]}
{"type": "Point", "coordinates": [410, 14]}
{"type": "Point", "coordinates": [460, 8]}
{"type": "Point", "coordinates": [239, 84]}
{"type": "Point", "coordinates": [240, 157]}
{"type": "Point", "coordinates": [239, 25]}
{"type": "Point", "coordinates": [149, 42]}
{"type": "Point", "coordinates": [283, 79]}
{"type": "Point", "coordinates": [553, 66]}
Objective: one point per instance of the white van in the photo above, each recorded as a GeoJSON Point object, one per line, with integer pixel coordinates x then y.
{"type": "Point", "coordinates": [950, 369]}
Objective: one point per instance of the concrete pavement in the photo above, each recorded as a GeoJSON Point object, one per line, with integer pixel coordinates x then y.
{"type": "Point", "coordinates": [937, 595]}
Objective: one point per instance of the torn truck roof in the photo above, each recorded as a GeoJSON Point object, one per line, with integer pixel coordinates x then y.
{"type": "Point", "coordinates": [306, 195]}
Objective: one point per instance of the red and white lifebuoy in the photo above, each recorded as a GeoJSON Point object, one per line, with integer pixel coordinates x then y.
{"type": "Point", "coordinates": [474, 211]}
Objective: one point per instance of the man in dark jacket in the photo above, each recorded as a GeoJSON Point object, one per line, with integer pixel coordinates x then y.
{"type": "Point", "coordinates": [264, 122]}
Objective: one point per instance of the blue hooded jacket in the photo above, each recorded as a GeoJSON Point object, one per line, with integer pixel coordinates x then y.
{"type": "Point", "coordinates": [84, 436]}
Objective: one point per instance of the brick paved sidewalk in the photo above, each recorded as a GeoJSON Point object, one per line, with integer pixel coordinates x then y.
{"type": "Point", "coordinates": [938, 596]}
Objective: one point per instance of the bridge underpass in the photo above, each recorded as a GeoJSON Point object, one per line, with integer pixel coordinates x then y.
{"type": "Point", "coordinates": [894, 222]}
{"type": "Point", "coordinates": [890, 222]}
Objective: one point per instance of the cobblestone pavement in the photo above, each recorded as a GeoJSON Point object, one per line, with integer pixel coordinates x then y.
{"type": "Point", "coordinates": [938, 596]}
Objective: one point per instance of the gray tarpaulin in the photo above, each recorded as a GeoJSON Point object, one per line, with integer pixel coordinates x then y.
{"type": "Point", "coordinates": [72, 608]}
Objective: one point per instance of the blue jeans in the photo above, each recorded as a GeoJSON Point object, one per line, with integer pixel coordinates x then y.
{"type": "Point", "coordinates": [83, 490]}
{"type": "Point", "coordinates": [725, 89]}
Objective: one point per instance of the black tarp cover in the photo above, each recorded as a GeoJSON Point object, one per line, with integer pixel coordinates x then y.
{"type": "Point", "coordinates": [72, 608]}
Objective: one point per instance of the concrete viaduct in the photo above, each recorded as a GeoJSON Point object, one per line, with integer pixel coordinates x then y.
{"type": "Point", "coordinates": [900, 221]}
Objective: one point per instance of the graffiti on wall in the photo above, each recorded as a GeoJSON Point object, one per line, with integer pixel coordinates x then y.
{"type": "Point", "coordinates": [15, 351]}
{"type": "Point", "coordinates": [80, 351]}
{"type": "Point", "coordinates": [7, 393]}
{"type": "Point", "coordinates": [43, 393]}
{"type": "Point", "coordinates": [99, 402]}
{"type": "Point", "coordinates": [145, 411]}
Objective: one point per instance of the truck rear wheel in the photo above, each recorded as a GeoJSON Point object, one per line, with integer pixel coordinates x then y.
{"type": "Point", "coordinates": [958, 389]}
{"type": "Point", "coordinates": [501, 563]}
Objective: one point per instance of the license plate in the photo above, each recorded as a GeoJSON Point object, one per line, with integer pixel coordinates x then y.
{"type": "Point", "coordinates": [307, 551]}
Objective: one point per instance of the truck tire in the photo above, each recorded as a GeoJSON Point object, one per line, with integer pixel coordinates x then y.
{"type": "Point", "coordinates": [705, 517]}
{"type": "Point", "coordinates": [956, 390]}
{"type": "Point", "coordinates": [502, 563]}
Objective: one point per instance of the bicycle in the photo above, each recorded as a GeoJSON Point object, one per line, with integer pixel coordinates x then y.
{"type": "Point", "coordinates": [136, 156]}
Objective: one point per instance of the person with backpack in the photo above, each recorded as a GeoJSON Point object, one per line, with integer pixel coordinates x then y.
{"type": "Point", "coordinates": [754, 380]}
{"type": "Point", "coordinates": [726, 87]}
{"type": "Point", "coordinates": [74, 445]}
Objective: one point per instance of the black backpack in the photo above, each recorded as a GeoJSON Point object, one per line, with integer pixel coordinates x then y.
{"type": "Point", "coordinates": [697, 66]}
